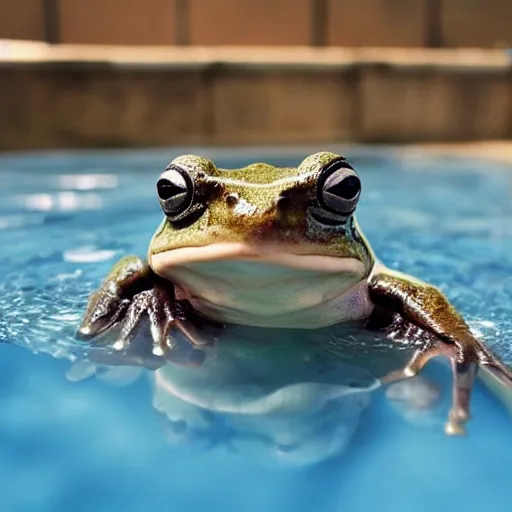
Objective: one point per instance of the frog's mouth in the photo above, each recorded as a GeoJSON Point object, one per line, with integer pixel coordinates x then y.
{"type": "Point", "coordinates": [270, 254]}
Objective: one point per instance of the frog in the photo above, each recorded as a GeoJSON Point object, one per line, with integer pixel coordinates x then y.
{"type": "Point", "coordinates": [268, 247]}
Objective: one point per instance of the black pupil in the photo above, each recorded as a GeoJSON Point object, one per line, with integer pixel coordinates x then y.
{"type": "Point", "coordinates": [167, 189]}
{"type": "Point", "coordinates": [347, 188]}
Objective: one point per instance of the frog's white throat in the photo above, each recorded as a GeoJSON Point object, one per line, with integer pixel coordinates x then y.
{"type": "Point", "coordinates": [262, 286]}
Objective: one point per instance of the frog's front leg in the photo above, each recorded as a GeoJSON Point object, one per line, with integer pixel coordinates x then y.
{"type": "Point", "coordinates": [130, 292]}
{"type": "Point", "coordinates": [447, 335]}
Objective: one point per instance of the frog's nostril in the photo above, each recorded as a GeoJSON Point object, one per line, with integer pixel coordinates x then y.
{"type": "Point", "coordinates": [232, 199]}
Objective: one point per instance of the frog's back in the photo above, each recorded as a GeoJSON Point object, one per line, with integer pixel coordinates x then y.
{"type": "Point", "coordinates": [260, 173]}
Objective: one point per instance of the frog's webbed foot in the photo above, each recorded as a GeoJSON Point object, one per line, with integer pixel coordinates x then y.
{"type": "Point", "coordinates": [130, 294]}
{"type": "Point", "coordinates": [464, 368]}
{"type": "Point", "coordinates": [164, 314]}
{"type": "Point", "coordinates": [108, 305]}
{"type": "Point", "coordinates": [445, 333]}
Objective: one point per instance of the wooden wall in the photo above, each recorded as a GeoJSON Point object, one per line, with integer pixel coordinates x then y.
{"type": "Point", "coordinates": [405, 23]}
{"type": "Point", "coordinates": [390, 98]}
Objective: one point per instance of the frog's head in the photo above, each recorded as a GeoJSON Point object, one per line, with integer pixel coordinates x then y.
{"type": "Point", "coordinates": [236, 232]}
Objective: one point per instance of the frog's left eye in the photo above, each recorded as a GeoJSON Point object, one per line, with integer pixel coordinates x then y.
{"type": "Point", "coordinates": [175, 191]}
{"type": "Point", "coordinates": [339, 188]}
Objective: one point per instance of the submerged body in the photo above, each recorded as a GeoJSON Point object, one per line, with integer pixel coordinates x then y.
{"type": "Point", "coordinates": [271, 396]}
{"type": "Point", "coordinates": [280, 248]}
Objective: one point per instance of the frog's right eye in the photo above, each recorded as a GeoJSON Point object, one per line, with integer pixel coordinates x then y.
{"type": "Point", "coordinates": [339, 188]}
{"type": "Point", "coordinates": [175, 191]}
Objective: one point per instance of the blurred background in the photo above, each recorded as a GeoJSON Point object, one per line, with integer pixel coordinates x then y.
{"type": "Point", "coordinates": [123, 73]}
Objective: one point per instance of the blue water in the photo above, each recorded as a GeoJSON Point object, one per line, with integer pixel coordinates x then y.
{"type": "Point", "coordinates": [97, 445]}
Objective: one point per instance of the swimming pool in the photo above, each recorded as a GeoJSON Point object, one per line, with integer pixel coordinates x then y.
{"type": "Point", "coordinates": [99, 445]}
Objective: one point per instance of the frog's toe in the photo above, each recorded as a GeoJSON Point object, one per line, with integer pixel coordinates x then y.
{"type": "Point", "coordinates": [147, 303]}
{"type": "Point", "coordinates": [464, 368]}
{"type": "Point", "coordinates": [161, 319]}
{"type": "Point", "coordinates": [103, 311]}
{"type": "Point", "coordinates": [455, 429]}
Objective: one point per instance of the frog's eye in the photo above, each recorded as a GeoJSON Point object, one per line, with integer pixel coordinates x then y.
{"type": "Point", "coordinates": [175, 191]}
{"type": "Point", "coordinates": [339, 188]}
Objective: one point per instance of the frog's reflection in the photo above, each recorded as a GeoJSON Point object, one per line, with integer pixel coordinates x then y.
{"type": "Point", "coordinates": [276, 394]}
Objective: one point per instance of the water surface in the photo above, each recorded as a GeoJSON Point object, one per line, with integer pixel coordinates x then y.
{"type": "Point", "coordinates": [95, 445]}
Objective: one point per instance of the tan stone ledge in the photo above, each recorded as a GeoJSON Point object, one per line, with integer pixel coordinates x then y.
{"type": "Point", "coordinates": [467, 59]}
{"type": "Point", "coordinates": [499, 151]}
{"type": "Point", "coordinates": [495, 151]}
